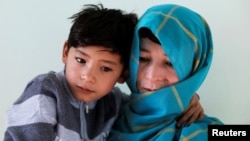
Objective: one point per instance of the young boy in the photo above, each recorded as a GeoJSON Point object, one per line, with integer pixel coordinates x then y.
{"type": "Point", "coordinates": [78, 103]}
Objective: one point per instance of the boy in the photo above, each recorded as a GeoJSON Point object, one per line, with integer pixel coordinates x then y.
{"type": "Point", "coordinates": [78, 103]}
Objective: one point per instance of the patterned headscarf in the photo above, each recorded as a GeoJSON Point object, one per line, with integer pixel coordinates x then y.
{"type": "Point", "coordinates": [186, 39]}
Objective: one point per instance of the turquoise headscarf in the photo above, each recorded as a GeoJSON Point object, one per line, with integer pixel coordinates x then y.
{"type": "Point", "coordinates": [186, 39]}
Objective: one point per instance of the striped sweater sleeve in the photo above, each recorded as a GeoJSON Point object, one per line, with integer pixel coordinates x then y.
{"type": "Point", "coordinates": [33, 116]}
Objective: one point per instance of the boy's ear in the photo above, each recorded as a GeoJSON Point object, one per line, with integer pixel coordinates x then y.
{"type": "Point", "coordinates": [65, 52]}
{"type": "Point", "coordinates": [123, 77]}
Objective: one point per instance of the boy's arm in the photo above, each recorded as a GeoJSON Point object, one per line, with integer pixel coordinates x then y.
{"type": "Point", "coordinates": [193, 112]}
{"type": "Point", "coordinates": [32, 117]}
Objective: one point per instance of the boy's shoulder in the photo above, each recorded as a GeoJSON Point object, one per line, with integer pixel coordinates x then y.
{"type": "Point", "coordinates": [45, 79]}
{"type": "Point", "coordinates": [43, 84]}
{"type": "Point", "coordinates": [51, 75]}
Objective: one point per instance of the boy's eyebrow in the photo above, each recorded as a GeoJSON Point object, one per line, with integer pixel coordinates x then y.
{"type": "Point", "coordinates": [81, 52]}
{"type": "Point", "coordinates": [110, 62]}
{"type": "Point", "coordinates": [103, 60]}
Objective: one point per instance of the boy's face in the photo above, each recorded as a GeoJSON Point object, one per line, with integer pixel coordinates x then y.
{"type": "Point", "coordinates": [155, 69]}
{"type": "Point", "coordinates": [91, 72]}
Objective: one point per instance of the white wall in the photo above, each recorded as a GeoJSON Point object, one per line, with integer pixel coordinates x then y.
{"type": "Point", "coordinates": [32, 34]}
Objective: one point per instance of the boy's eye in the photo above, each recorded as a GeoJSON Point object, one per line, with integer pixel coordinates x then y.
{"type": "Point", "coordinates": [144, 59]}
{"type": "Point", "coordinates": [80, 60]}
{"type": "Point", "coordinates": [106, 69]}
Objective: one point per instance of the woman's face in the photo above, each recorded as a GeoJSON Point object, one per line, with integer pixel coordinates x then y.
{"type": "Point", "coordinates": [155, 69]}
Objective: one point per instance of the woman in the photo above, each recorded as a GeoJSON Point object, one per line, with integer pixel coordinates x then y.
{"type": "Point", "coordinates": [171, 56]}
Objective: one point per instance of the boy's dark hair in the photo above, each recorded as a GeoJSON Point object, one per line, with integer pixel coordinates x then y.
{"type": "Point", "coordinates": [111, 28]}
{"type": "Point", "coordinates": [146, 33]}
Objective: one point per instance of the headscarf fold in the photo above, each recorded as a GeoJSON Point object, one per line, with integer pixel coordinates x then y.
{"type": "Point", "coordinates": [186, 39]}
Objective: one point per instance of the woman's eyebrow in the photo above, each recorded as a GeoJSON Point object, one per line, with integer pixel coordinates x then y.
{"type": "Point", "coordinates": [144, 50]}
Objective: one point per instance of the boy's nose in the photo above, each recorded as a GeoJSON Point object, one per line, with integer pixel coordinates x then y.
{"type": "Point", "coordinates": [88, 76]}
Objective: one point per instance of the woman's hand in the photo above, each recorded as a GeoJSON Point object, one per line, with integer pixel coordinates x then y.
{"type": "Point", "coordinates": [193, 112]}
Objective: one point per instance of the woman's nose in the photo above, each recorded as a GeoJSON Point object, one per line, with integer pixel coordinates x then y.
{"type": "Point", "coordinates": [155, 78]}
{"type": "Point", "coordinates": [154, 74]}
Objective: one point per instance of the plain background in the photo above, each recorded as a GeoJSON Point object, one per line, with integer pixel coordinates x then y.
{"type": "Point", "coordinates": [32, 34]}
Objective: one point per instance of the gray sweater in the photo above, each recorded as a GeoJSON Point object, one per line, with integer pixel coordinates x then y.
{"type": "Point", "coordinates": [47, 111]}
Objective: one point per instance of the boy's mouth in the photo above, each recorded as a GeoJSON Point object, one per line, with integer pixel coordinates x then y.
{"type": "Point", "coordinates": [85, 90]}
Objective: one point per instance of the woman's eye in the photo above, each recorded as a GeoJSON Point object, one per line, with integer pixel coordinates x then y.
{"type": "Point", "coordinates": [106, 69]}
{"type": "Point", "coordinates": [144, 59]}
{"type": "Point", "coordinates": [168, 64]}
{"type": "Point", "coordinates": [80, 60]}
